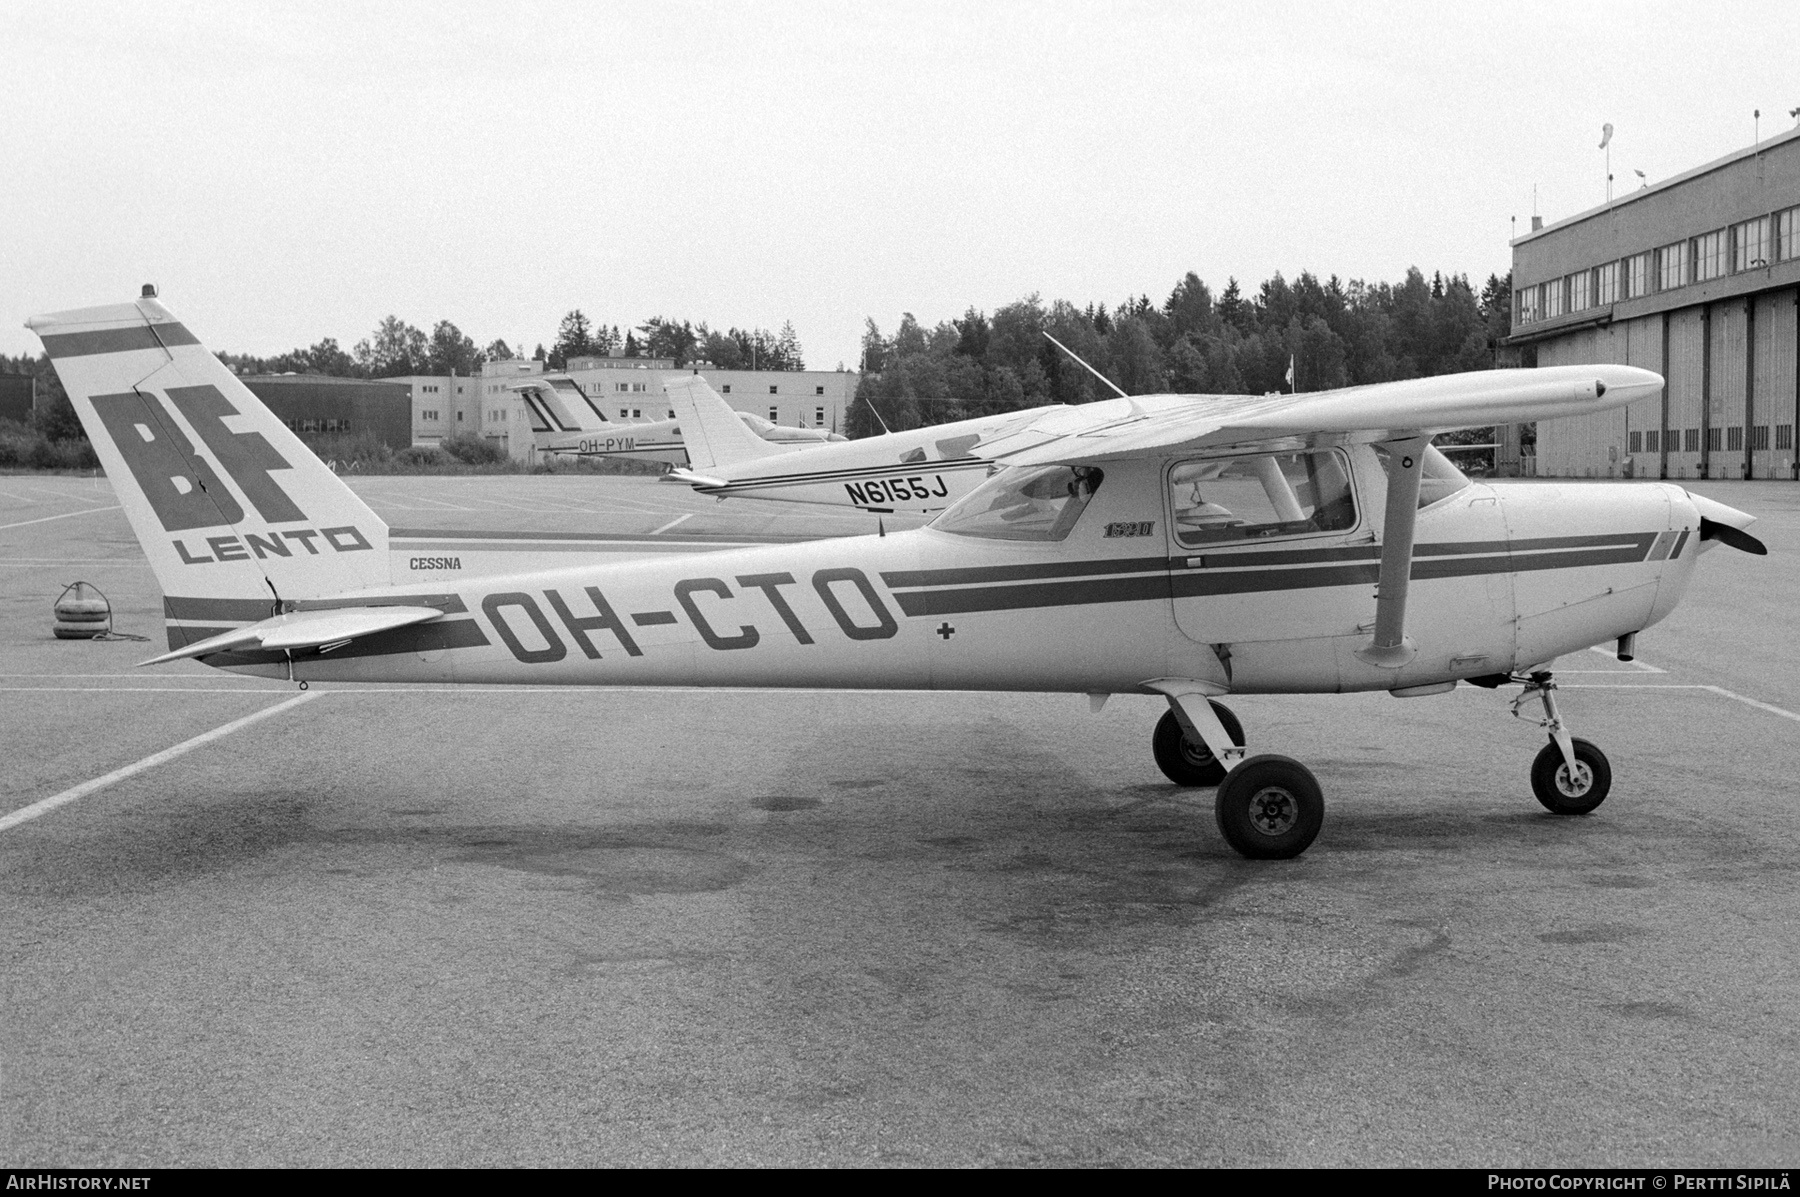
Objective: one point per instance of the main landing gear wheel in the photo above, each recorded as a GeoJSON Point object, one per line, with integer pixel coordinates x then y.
{"type": "Point", "coordinates": [1562, 794]}
{"type": "Point", "coordinates": [1190, 762]}
{"type": "Point", "coordinates": [1270, 808]}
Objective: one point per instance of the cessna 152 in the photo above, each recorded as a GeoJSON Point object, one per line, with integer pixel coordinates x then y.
{"type": "Point", "coordinates": [661, 440]}
{"type": "Point", "coordinates": [920, 470]}
{"type": "Point", "coordinates": [1187, 546]}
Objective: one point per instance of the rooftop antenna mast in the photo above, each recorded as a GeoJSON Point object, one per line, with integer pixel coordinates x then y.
{"type": "Point", "coordinates": [1103, 378]}
{"type": "Point", "coordinates": [1606, 144]}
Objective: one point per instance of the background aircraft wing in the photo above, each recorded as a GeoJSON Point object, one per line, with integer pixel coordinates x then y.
{"type": "Point", "coordinates": [1127, 427]}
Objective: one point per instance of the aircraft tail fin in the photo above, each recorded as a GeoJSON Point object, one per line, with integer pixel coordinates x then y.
{"type": "Point", "coordinates": [713, 434]}
{"type": "Point", "coordinates": [558, 404]}
{"type": "Point", "coordinates": [235, 513]}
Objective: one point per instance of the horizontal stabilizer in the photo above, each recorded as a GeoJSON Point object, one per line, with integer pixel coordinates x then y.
{"type": "Point", "coordinates": [303, 629]}
{"type": "Point", "coordinates": [691, 478]}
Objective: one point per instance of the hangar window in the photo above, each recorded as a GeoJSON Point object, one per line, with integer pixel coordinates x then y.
{"type": "Point", "coordinates": [1550, 305]}
{"type": "Point", "coordinates": [727, 389]}
{"type": "Point", "coordinates": [1759, 437]}
{"type": "Point", "coordinates": [1787, 235]}
{"type": "Point", "coordinates": [1651, 440]}
{"type": "Point", "coordinates": [1580, 291]}
{"type": "Point", "coordinates": [1606, 284]}
{"type": "Point", "coordinates": [1526, 300]}
{"type": "Point", "coordinates": [773, 417]}
{"type": "Point", "coordinates": [819, 416]}
{"type": "Point", "coordinates": [1253, 498]}
{"type": "Point", "coordinates": [1784, 436]}
{"type": "Point", "coordinates": [1750, 244]}
{"type": "Point", "coordinates": [1637, 442]}
{"type": "Point", "coordinates": [818, 390]}
{"type": "Point", "coordinates": [1709, 256]}
{"type": "Point", "coordinates": [1690, 440]}
{"type": "Point", "coordinates": [1024, 503]}
{"type": "Point", "coordinates": [1637, 275]}
{"type": "Point", "coordinates": [774, 390]}
{"type": "Point", "coordinates": [1671, 266]}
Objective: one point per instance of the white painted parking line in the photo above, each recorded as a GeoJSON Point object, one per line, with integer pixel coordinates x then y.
{"type": "Point", "coordinates": [65, 515]}
{"type": "Point", "coordinates": [680, 519]}
{"type": "Point", "coordinates": [1721, 691]}
{"type": "Point", "coordinates": [1609, 654]}
{"type": "Point", "coordinates": [45, 805]}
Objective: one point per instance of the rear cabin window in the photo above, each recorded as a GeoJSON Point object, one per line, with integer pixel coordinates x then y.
{"type": "Point", "coordinates": [1253, 498]}
{"type": "Point", "coordinates": [1024, 503]}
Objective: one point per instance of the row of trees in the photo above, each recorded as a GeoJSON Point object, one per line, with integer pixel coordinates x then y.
{"type": "Point", "coordinates": [684, 343]}
{"type": "Point", "coordinates": [397, 348]}
{"type": "Point", "coordinates": [1333, 333]}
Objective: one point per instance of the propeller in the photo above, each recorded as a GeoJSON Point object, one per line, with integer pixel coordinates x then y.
{"type": "Point", "coordinates": [1737, 538]}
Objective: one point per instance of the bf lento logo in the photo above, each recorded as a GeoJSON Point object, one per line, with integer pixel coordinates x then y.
{"type": "Point", "coordinates": [185, 492]}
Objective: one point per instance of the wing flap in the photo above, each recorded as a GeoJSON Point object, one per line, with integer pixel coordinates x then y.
{"type": "Point", "coordinates": [303, 629]}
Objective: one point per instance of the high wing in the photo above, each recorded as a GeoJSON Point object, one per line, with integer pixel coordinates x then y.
{"type": "Point", "coordinates": [1405, 415]}
{"type": "Point", "coordinates": [1117, 428]}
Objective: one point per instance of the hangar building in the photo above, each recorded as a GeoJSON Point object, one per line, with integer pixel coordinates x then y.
{"type": "Point", "coordinates": [1697, 278]}
{"type": "Point", "coordinates": [314, 404]}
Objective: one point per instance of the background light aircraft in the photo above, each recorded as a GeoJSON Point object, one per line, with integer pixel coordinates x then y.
{"type": "Point", "coordinates": [652, 440]}
{"type": "Point", "coordinates": [921, 470]}
{"type": "Point", "coordinates": [1190, 548]}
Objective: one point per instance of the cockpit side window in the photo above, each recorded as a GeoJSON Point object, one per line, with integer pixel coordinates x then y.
{"type": "Point", "coordinates": [1024, 503]}
{"type": "Point", "coordinates": [1254, 498]}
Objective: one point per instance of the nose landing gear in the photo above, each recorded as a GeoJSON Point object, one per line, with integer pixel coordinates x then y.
{"type": "Point", "coordinates": [1569, 776]}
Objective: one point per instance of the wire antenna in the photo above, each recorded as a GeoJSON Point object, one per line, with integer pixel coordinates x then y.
{"type": "Point", "coordinates": [1103, 378]}
{"type": "Point", "coordinates": [877, 414]}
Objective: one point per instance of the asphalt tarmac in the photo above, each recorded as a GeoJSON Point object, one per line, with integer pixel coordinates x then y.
{"type": "Point", "coordinates": [555, 927]}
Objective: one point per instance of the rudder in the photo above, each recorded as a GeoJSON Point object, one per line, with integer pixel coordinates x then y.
{"type": "Point", "coordinates": [233, 510]}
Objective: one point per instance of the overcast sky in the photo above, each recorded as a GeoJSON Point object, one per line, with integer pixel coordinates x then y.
{"type": "Point", "coordinates": [291, 172]}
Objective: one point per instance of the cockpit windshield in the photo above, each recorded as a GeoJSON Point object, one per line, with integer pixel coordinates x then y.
{"type": "Point", "coordinates": [1024, 503]}
{"type": "Point", "coordinates": [1438, 477]}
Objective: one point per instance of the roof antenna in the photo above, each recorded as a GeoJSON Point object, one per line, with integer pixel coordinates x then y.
{"type": "Point", "coordinates": [1103, 378]}
{"type": "Point", "coordinates": [877, 414]}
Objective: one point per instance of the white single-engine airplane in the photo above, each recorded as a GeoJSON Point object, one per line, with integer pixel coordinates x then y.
{"type": "Point", "coordinates": [658, 440]}
{"type": "Point", "coordinates": [921, 470]}
{"type": "Point", "coordinates": [1186, 546]}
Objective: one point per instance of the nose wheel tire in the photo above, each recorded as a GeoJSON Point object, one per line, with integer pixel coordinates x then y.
{"type": "Point", "coordinates": [1189, 762]}
{"type": "Point", "coordinates": [1270, 808]}
{"type": "Point", "coordinates": [1566, 794]}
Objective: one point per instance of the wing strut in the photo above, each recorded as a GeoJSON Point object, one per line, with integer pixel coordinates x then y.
{"type": "Point", "coordinates": [1391, 647]}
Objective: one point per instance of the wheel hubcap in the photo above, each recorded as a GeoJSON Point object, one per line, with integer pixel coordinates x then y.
{"type": "Point", "coordinates": [1273, 811]}
{"type": "Point", "coordinates": [1582, 783]}
{"type": "Point", "coordinates": [1196, 754]}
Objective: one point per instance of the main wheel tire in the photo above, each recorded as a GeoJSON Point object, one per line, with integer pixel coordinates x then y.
{"type": "Point", "coordinates": [1563, 795]}
{"type": "Point", "coordinates": [1185, 762]}
{"type": "Point", "coordinates": [1270, 808]}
